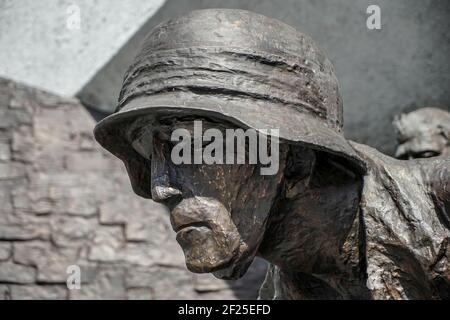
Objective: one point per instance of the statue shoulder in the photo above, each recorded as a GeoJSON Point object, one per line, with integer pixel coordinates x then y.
{"type": "Point", "coordinates": [374, 158]}
{"type": "Point", "coordinates": [436, 175]}
{"type": "Point", "coordinates": [433, 173]}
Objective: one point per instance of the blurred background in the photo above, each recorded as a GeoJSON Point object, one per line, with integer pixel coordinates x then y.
{"type": "Point", "coordinates": [64, 201]}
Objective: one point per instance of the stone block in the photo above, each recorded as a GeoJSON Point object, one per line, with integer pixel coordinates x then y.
{"type": "Point", "coordinates": [5, 250]}
{"type": "Point", "coordinates": [38, 292]}
{"type": "Point", "coordinates": [24, 231]}
{"type": "Point", "coordinates": [164, 282]}
{"type": "Point", "coordinates": [5, 292]}
{"type": "Point", "coordinates": [5, 151]}
{"type": "Point", "coordinates": [11, 170]}
{"type": "Point", "coordinates": [72, 231]}
{"type": "Point", "coordinates": [108, 284]}
{"type": "Point", "coordinates": [107, 244]}
{"type": "Point", "coordinates": [140, 294]}
{"type": "Point", "coordinates": [11, 272]}
{"type": "Point", "coordinates": [51, 262]}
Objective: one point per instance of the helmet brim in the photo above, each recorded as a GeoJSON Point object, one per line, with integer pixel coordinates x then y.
{"type": "Point", "coordinates": [294, 128]}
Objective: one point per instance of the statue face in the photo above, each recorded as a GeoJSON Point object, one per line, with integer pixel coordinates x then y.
{"type": "Point", "coordinates": [423, 133]}
{"type": "Point", "coordinates": [423, 146]}
{"type": "Point", "coordinates": [218, 211]}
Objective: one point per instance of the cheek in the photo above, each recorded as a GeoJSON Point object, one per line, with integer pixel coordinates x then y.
{"type": "Point", "coordinates": [251, 198]}
{"type": "Point", "coordinates": [246, 194]}
{"type": "Point", "coordinates": [220, 182]}
{"type": "Point", "coordinates": [251, 210]}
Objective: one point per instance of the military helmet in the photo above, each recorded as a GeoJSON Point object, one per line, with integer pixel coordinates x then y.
{"type": "Point", "coordinates": [234, 65]}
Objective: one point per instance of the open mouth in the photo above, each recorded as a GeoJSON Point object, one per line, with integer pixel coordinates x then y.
{"type": "Point", "coordinates": [196, 224]}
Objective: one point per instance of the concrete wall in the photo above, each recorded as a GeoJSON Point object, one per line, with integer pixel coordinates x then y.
{"type": "Point", "coordinates": [59, 45]}
{"type": "Point", "coordinates": [403, 66]}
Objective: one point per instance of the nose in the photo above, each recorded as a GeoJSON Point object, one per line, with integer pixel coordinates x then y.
{"type": "Point", "coordinates": [165, 194]}
{"type": "Point", "coordinates": [161, 189]}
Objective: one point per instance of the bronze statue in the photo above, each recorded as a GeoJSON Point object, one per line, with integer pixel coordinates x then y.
{"type": "Point", "coordinates": [338, 220]}
{"type": "Point", "coordinates": [423, 133]}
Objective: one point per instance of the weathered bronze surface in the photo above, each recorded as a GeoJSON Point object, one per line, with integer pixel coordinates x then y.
{"type": "Point", "coordinates": [338, 221]}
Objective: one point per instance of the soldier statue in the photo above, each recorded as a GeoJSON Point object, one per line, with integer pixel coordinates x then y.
{"type": "Point", "coordinates": [338, 220]}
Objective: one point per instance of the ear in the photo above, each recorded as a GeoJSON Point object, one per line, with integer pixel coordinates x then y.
{"type": "Point", "coordinates": [399, 127]}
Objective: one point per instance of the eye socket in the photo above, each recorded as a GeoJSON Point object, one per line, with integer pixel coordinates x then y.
{"type": "Point", "coordinates": [427, 154]}
{"type": "Point", "coordinates": [143, 146]}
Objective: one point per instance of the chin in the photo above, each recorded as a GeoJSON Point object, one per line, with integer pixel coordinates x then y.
{"type": "Point", "coordinates": [206, 250]}
{"type": "Point", "coordinates": [207, 258]}
{"type": "Point", "coordinates": [229, 268]}
{"type": "Point", "coordinates": [224, 272]}
{"type": "Point", "coordinates": [203, 266]}
{"type": "Point", "coordinates": [232, 272]}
